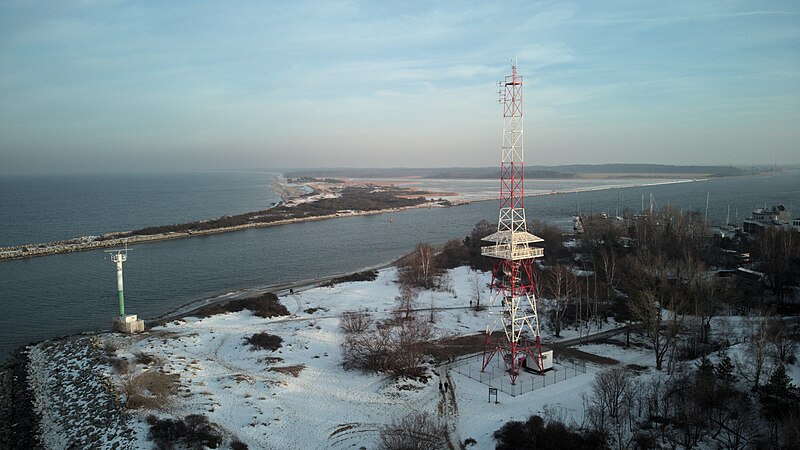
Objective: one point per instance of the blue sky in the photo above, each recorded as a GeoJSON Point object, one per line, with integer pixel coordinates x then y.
{"type": "Point", "coordinates": [153, 86]}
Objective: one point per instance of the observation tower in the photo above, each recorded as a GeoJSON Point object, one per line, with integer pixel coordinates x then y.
{"type": "Point", "coordinates": [513, 253]}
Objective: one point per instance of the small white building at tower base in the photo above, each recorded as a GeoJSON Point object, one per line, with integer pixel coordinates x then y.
{"type": "Point", "coordinates": [128, 324]}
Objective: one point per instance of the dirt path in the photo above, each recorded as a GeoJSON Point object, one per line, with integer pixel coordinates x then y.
{"type": "Point", "coordinates": [447, 408]}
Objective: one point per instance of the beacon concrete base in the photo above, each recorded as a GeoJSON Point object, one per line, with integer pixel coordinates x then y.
{"type": "Point", "coordinates": [128, 324]}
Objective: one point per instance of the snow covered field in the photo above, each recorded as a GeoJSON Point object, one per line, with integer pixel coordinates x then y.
{"type": "Point", "coordinates": [299, 396]}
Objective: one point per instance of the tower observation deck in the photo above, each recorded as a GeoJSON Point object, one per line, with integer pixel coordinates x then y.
{"type": "Point", "coordinates": [513, 252]}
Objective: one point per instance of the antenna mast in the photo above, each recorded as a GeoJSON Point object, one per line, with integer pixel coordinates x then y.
{"type": "Point", "coordinates": [512, 253]}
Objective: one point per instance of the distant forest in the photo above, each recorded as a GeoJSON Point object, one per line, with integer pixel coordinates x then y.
{"type": "Point", "coordinates": [567, 171]}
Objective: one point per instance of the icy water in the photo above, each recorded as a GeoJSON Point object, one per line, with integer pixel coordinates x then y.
{"type": "Point", "coordinates": [61, 294]}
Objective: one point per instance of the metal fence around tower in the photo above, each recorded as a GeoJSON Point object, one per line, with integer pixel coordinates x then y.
{"type": "Point", "coordinates": [495, 374]}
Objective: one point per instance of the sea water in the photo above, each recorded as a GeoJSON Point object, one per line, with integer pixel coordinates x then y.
{"type": "Point", "coordinates": [45, 208]}
{"type": "Point", "coordinates": [60, 294]}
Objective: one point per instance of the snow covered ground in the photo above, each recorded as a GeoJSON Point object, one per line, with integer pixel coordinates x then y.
{"type": "Point", "coordinates": [258, 401]}
{"type": "Point", "coordinates": [299, 396]}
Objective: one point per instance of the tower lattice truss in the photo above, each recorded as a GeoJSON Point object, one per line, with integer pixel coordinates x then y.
{"type": "Point", "coordinates": [512, 331]}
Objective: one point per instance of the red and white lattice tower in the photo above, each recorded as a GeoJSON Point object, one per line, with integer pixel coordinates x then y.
{"type": "Point", "coordinates": [512, 252]}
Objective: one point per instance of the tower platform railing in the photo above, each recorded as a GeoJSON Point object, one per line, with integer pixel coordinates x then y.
{"type": "Point", "coordinates": [509, 252]}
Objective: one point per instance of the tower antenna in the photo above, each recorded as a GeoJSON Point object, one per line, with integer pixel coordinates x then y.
{"type": "Point", "coordinates": [512, 254]}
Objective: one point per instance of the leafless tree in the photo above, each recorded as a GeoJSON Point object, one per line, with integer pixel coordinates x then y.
{"type": "Point", "coordinates": [476, 287]}
{"type": "Point", "coordinates": [406, 300]}
{"type": "Point", "coordinates": [686, 413]}
{"type": "Point", "coordinates": [611, 405]}
{"type": "Point", "coordinates": [702, 292]}
{"type": "Point", "coordinates": [355, 321]}
{"type": "Point", "coordinates": [392, 346]}
{"type": "Point", "coordinates": [409, 345]}
{"type": "Point", "coordinates": [419, 268]}
{"type": "Point", "coordinates": [562, 286]}
{"type": "Point", "coordinates": [735, 423]}
{"type": "Point", "coordinates": [758, 345]}
{"type": "Point", "coordinates": [605, 264]}
{"type": "Point", "coordinates": [653, 397]}
{"type": "Point", "coordinates": [777, 248]}
{"type": "Point", "coordinates": [662, 332]}
{"type": "Point", "coordinates": [657, 305]}
{"type": "Point", "coordinates": [782, 346]}
{"type": "Point", "coordinates": [752, 366]}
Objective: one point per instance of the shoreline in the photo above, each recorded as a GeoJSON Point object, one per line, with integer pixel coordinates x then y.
{"type": "Point", "coordinates": [186, 310]}
{"type": "Point", "coordinates": [80, 244]}
{"type": "Point", "coordinates": [60, 248]}
{"type": "Point", "coordinates": [280, 290]}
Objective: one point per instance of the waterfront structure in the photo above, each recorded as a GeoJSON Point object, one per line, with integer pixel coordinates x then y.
{"type": "Point", "coordinates": [125, 323]}
{"type": "Point", "coordinates": [513, 252]}
{"type": "Point", "coordinates": [761, 218]}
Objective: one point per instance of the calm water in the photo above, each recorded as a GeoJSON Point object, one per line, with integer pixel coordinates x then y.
{"type": "Point", "coordinates": [37, 209]}
{"type": "Point", "coordinates": [56, 295]}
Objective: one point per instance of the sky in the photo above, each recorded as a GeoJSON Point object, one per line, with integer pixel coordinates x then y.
{"type": "Point", "coordinates": [99, 86]}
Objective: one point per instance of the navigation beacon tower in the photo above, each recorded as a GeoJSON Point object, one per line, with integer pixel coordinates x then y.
{"type": "Point", "coordinates": [512, 253]}
{"type": "Point", "coordinates": [124, 323]}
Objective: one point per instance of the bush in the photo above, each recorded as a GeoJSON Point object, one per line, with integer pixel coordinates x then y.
{"type": "Point", "coordinates": [554, 249]}
{"type": "Point", "coordinates": [454, 254]}
{"type": "Point", "coordinates": [355, 321]}
{"type": "Point", "coordinates": [146, 359]}
{"type": "Point", "coordinates": [266, 306]}
{"type": "Point", "coordinates": [193, 431]}
{"type": "Point", "coordinates": [367, 275]}
{"type": "Point", "coordinates": [239, 445]}
{"type": "Point", "coordinates": [417, 431]}
{"type": "Point", "coordinates": [474, 242]}
{"type": "Point", "coordinates": [534, 433]}
{"type": "Point", "coordinates": [264, 341]}
{"type": "Point", "coordinates": [150, 389]}
{"type": "Point", "coordinates": [394, 346]}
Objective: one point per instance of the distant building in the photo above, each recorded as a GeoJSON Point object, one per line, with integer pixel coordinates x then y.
{"type": "Point", "coordinates": [761, 218]}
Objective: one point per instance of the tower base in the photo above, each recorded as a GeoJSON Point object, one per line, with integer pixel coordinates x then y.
{"type": "Point", "coordinates": [128, 324]}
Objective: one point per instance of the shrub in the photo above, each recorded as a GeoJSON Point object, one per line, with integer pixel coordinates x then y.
{"type": "Point", "coordinates": [145, 358]}
{"type": "Point", "coordinates": [454, 254]}
{"type": "Point", "coordinates": [367, 275]}
{"type": "Point", "coordinates": [394, 346]}
{"type": "Point", "coordinates": [474, 242]}
{"type": "Point", "coordinates": [193, 431]}
{"type": "Point", "coordinates": [266, 306]}
{"type": "Point", "coordinates": [150, 389]}
{"type": "Point", "coordinates": [535, 433]}
{"type": "Point", "coordinates": [239, 445]}
{"type": "Point", "coordinates": [264, 341]}
{"type": "Point", "coordinates": [355, 321]}
{"type": "Point", "coordinates": [417, 431]}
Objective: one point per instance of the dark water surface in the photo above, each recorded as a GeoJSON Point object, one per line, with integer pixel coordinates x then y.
{"type": "Point", "coordinates": [45, 208]}
{"type": "Point", "coordinates": [60, 294]}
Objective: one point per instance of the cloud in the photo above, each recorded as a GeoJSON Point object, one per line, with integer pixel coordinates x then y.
{"type": "Point", "coordinates": [344, 78]}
